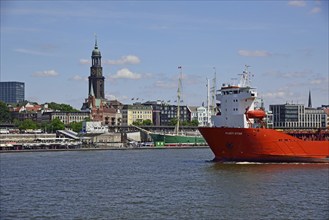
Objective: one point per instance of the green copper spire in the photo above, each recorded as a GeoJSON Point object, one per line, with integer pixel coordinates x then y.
{"type": "Point", "coordinates": [96, 52]}
{"type": "Point", "coordinates": [96, 47]}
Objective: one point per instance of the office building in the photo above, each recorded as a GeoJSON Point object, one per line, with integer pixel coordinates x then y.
{"type": "Point", "coordinates": [294, 116]}
{"type": "Point", "coordinates": [12, 92]}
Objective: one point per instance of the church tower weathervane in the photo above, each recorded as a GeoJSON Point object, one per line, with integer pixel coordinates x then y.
{"type": "Point", "coordinates": [96, 78]}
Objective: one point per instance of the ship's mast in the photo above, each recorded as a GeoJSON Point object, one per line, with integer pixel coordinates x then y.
{"type": "Point", "coordinates": [245, 79]}
{"type": "Point", "coordinates": [209, 111]}
{"type": "Point", "coordinates": [213, 94]}
{"type": "Point", "coordinates": [178, 99]}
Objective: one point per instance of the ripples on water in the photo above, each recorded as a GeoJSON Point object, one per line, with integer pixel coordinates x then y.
{"type": "Point", "coordinates": [157, 184]}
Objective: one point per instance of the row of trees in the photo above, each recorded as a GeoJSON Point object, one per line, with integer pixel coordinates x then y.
{"type": "Point", "coordinates": [5, 115]}
{"type": "Point", "coordinates": [61, 107]}
{"type": "Point", "coordinates": [28, 124]}
{"type": "Point", "coordinates": [51, 127]}
{"type": "Point", "coordinates": [57, 124]}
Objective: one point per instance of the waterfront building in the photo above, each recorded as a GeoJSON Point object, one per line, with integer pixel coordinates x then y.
{"type": "Point", "coordinates": [163, 113]}
{"type": "Point", "coordinates": [21, 116]}
{"type": "Point", "coordinates": [326, 110]}
{"type": "Point", "coordinates": [65, 117]}
{"type": "Point", "coordinates": [169, 113]}
{"type": "Point", "coordinates": [100, 110]}
{"type": "Point", "coordinates": [28, 107]}
{"type": "Point", "coordinates": [201, 116]}
{"type": "Point", "coordinates": [93, 127]}
{"type": "Point", "coordinates": [296, 116]}
{"type": "Point", "coordinates": [12, 92]}
{"type": "Point", "coordinates": [136, 112]}
{"type": "Point", "coordinates": [28, 111]}
{"type": "Point", "coordinates": [156, 111]}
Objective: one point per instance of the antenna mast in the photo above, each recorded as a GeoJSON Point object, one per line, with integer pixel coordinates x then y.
{"type": "Point", "coordinates": [213, 93]}
{"type": "Point", "coordinates": [178, 98]}
{"type": "Point", "coordinates": [245, 79]}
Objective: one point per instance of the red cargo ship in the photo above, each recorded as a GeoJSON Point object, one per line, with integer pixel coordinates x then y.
{"type": "Point", "coordinates": [239, 132]}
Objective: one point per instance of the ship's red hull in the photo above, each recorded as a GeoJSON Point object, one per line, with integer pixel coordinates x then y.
{"type": "Point", "coordinates": [262, 145]}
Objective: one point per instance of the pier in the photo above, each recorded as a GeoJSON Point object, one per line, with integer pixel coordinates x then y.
{"type": "Point", "coordinates": [117, 137]}
{"type": "Point", "coordinates": [36, 142]}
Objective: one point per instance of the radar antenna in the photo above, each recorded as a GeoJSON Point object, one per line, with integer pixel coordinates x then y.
{"type": "Point", "coordinates": [245, 79]}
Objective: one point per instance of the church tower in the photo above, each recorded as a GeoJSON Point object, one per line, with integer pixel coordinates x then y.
{"type": "Point", "coordinates": [309, 100]}
{"type": "Point", "coordinates": [96, 78]}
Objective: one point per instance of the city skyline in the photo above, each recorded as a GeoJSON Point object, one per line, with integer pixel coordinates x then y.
{"type": "Point", "coordinates": [48, 46]}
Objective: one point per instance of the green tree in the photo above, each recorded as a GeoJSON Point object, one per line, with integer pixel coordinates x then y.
{"type": "Point", "coordinates": [5, 115]}
{"type": "Point", "coordinates": [194, 122]}
{"type": "Point", "coordinates": [62, 107]}
{"type": "Point", "coordinates": [138, 122]}
{"type": "Point", "coordinates": [76, 126]}
{"type": "Point", "coordinates": [173, 122]}
{"type": "Point", "coordinates": [28, 124]}
{"type": "Point", "coordinates": [147, 122]}
{"type": "Point", "coordinates": [57, 124]}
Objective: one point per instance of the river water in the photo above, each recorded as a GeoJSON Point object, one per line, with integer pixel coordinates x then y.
{"type": "Point", "coordinates": [157, 184]}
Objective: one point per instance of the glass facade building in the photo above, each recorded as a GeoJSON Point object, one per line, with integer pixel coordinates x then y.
{"type": "Point", "coordinates": [12, 92]}
{"type": "Point", "coordinates": [294, 116]}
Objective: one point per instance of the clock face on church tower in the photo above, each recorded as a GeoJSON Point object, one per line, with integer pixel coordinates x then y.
{"type": "Point", "coordinates": [93, 72]}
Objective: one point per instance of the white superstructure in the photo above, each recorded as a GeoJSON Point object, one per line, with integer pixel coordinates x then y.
{"type": "Point", "coordinates": [238, 104]}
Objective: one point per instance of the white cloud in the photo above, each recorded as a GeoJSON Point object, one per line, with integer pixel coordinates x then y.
{"type": "Point", "coordinates": [277, 94]}
{"type": "Point", "coordinates": [320, 81]}
{"type": "Point", "coordinates": [111, 97]}
{"type": "Point", "coordinates": [295, 74]}
{"type": "Point", "coordinates": [126, 74]}
{"type": "Point", "coordinates": [78, 78]}
{"type": "Point", "coordinates": [129, 59]}
{"type": "Point", "coordinates": [254, 53]}
{"type": "Point", "coordinates": [84, 61]}
{"type": "Point", "coordinates": [45, 73]}
{"type": "Point", "coordinates": [115, 97]}
{"type": "Point", "coordinates": [165, 84]}
{"type": "Point", "coordinates": [315, 10]}
{"type": "Point", "coordinates": [297, 3]}
{"type": "Point", "coordinates": [31, 52]}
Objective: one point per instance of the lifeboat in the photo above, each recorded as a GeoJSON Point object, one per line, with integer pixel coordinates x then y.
{"type": "Point", "coordinates": [256, 114]}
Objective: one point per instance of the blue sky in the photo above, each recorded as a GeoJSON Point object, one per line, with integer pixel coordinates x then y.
{"type": "Point", "coordinates": [48, 45]}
